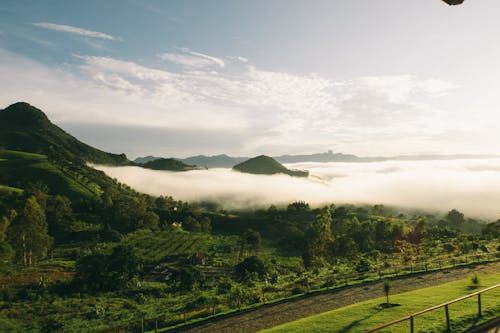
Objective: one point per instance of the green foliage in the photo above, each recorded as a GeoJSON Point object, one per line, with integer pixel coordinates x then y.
{"type": "Point", "coordinates": [26, 128]}
{"type": "Point", "coordinates": [245, 269]}
{"type": "Point", "coordinates": [168, 164]}
{"type": "Point", "coordinates": [387, 286]}
{"type": "Point", "coordinates": [265, 165]}
{"type": "Point", "coordinates": [100, 272]}
{"type": "Point", "coordinates": [28, 233]}
{"type": "Point", "coordinates": [475, 281]}
{"type": "Point", "coordinates": [190, 278]}
{"type": "Point", "coordinates": [362, 316]}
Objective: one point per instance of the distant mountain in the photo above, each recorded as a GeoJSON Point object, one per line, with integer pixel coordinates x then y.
{"type": "Point", "coordinates": [325, 157]}
{"type": "Point", "coordinates": [265, 165]}
{"type": "Point", "coordinates": [217, 161]}
{"type": "Point", "coordinates": [26, 128]}
{"type": "Point", "coordinates": [145, 159]}
{"type": "Point", "coordinates": [169, 164]}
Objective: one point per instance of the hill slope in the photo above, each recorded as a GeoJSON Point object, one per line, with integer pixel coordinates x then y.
{"type": "Point", "coordinates": [168, 164]}
{"type": "Point", "coordinates": [265, 165]}
{"type": "Point", "coordinates": [26, 128]}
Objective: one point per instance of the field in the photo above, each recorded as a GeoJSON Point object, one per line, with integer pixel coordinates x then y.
{"type": "Point", "coordinates": [18, 169]}
{"type": "Point", "coordinates": [362, 316]}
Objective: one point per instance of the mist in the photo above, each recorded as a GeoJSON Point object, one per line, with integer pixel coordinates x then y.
{"type": "Point", "coordinates": [471, 186]}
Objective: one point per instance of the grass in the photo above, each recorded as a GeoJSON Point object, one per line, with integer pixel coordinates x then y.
{"type": "Point", "coordinates": [365, 315]}
{"type": "Point", "coordinates": [24, 168]}
{"type": "Point", "coordinates": [8, 189]}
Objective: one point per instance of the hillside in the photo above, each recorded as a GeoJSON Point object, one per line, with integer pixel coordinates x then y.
{"type": "Point", "coordinates": [265, 165]}
{"type": "Point", "coordinates": [35, 151]}
{"type": "Point", "coordinates": [168, 164]}
{"type": "Point", "coordinates": [216, 161]}
{"type": "Point", "coordinates": [26, 128]}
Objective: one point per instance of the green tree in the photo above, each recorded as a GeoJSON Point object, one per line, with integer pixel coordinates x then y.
{"type": "Point", "coordinates": [28, 234]}
{"type": "Point", "coordinates": [250, 265]}
{"type": "Point", "coordinates": [455, 218]}
{"type": "Point", "coordinates": [319, 237]}
{"type": "Point", "coordinates": [387, 289]}
{"type": "Point", "coordinates": [59, 215]}
{"type": "Point", "coordinates": [100, 272]}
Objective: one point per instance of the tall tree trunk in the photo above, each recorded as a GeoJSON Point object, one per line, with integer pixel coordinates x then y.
{"type": "Point", "coordinates": [23, 245]}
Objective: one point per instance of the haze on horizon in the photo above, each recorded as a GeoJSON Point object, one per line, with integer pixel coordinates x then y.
{"type": "Point", "coordinates": [471, 186]}
{"type": "Point", "coordinates": [180, 78]}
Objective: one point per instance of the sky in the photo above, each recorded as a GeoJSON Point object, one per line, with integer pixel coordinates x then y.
{"type": "Point", "coordinates": [180, 78]}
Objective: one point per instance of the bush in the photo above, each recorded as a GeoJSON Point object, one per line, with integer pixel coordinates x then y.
{"type": "Point", "coordinates": [99, 272]}
{"type": "Point", "coordinates": [249, 266]}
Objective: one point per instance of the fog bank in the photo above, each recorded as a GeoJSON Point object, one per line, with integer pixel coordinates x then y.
{"type": "Point", "coordinates": [471, 186]}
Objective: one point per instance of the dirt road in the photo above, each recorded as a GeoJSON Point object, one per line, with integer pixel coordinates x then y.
{"type": "Point", "coordinates": [270, 316]}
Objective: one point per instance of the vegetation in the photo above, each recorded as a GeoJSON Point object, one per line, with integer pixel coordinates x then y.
{"type": "Point", "coordinates": [365, 315]}
{"type": "Point", "coordinates": [265, 165]}
{"type": "Point", "coordinates": [80, 252]}
{"type": "Point", "coordinates": [168, 164]}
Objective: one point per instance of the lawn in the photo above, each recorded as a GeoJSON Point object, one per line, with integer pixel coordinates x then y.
{"type": "Point", "coordinates": [365, 315]}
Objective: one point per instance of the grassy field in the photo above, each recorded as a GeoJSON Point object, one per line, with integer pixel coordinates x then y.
{"type": "Point", "coordinates": [362, 316]}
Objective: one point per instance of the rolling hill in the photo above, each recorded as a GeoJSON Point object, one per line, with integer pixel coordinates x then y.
{"type": "Point", "coordinates": [168, 164]}
{"type": "Point", "coordinates": [265, 165]}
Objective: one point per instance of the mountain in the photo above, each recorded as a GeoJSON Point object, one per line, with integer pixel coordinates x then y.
{"type": "Point", "coordinates": [225, 161]}
{"type": "Point", "coordinates": [265, 165]}
{"type": "Point", "coordinates": [34, 151]}
{"type": "Point", "coordinates": [325, 157]}
{"type": "Point", "coordinates": [169, 164]}
{"type": "Point", "coordinates": [145, 159]}
{"type": "Point", "coordinates": [217, 161]}
{"type": "Point", "coordinates": [26, 128]}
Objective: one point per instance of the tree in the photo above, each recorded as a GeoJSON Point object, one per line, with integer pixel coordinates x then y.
{"type": "Point", "coordinates": [455, 218]}
{"type": "Point", "coordinates": [387, 289]}
{"type": "Point", "coordinates": [237, 296]}
{"type": "Point", "coordinates": [100, 272]}
{"type": "Point", "coordinates": [318, 237]}
{"type": "Point", "coordinates": [250, 266]}
{"type": "Point", "coordinates": [252, 239]}
{"type": "Point", "coordinates": [191, 224]}
{"type": "Point", "coordinates": [59, 215]}
{"type": "Point", "coordinates": [28, 233]}
{"type": "Point", "coordinates": [189, 278]}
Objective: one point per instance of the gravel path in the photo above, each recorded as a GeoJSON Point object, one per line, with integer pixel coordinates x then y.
{"type": "Point", "coordinates": [270, 316]}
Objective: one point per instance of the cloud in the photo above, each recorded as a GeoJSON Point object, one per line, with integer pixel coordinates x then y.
{"type": "Point", "coordinates": [192, 59]}
{"type": "Point", "coordinates": [286, 112]}
{"type": "Point", "coordinates": [431, 185]}
{"type": "Point", "coordinates": [74, 30]}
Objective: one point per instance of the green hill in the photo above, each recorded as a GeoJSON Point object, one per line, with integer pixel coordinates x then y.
{"type": "Point", "coordinates": [265, 165]}
{"type": "Point", "coordinates": [26, 128]}
{"type": "Point", "coordinates": [168, 164]}
{"type": "Point", "coordinates": [35, 151]}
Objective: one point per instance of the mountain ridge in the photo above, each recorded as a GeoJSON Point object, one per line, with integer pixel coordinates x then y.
{"type": "Point", "coordinates": [24, 127]}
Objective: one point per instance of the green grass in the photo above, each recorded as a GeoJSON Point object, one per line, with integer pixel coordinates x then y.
{"type": "Point", "coordinates": [9, 189]}
{"type": "Point", "coordinates": [365, 315]}
{"type": "Point", "coordinates": [23, 168]}
{"type": "Point", "coordinates": [153, 246]}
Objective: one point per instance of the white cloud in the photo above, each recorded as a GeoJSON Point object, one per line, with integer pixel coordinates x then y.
{"type": "Point", "coordinates": [74, 30]}
{"type": "Point", "coordinates": [431, 185]}
{"type": "Point", "coordinates": [285, 111]}
{"type": "Point", "coordinates": [192, 59]}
